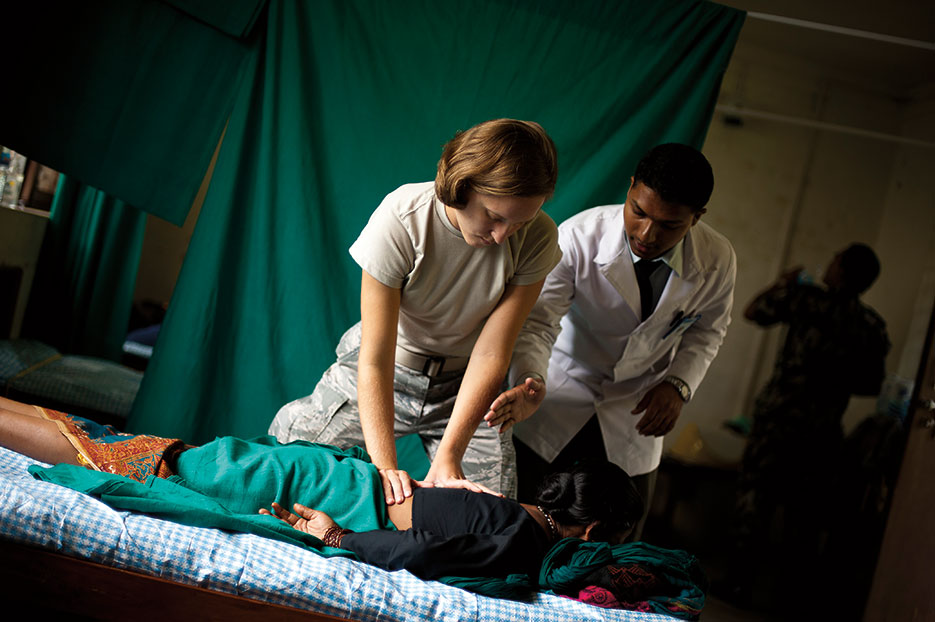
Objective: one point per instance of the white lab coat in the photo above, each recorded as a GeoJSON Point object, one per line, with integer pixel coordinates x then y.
{"type": "Point", "coordinates": [604, 359]}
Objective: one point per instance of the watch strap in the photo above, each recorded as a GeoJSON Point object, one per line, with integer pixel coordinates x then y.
{"type": "Point", "coordinates": [685, 391]}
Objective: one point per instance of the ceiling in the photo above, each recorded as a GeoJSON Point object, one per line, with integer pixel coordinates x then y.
{"type": "Point", "coordinates": [895, 67]}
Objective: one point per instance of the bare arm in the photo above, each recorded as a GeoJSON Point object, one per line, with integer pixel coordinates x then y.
{"type": "Point", "coordinates": [379, 315]}
{"type": "Point", "coordinates": [540, 330]}
{"type": "Point", "coordinates": [490, 359]}
{"type": "Point", "coordinates": [530, 362]}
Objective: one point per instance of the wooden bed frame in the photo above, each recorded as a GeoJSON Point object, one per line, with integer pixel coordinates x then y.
{"type": "Point", "coordinates": [37, 581]}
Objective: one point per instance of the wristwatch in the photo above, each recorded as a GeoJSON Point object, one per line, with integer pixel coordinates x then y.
{"type": "Point", "coordinates": [681, 386]}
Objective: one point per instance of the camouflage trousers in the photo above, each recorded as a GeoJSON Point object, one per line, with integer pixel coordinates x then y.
{"type": "Point", "coordinates": [423, 406]}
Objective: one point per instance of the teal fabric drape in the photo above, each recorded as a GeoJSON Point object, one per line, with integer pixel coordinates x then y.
{"type": "Point", "coordinates": [343, 101]}
{"type": "Point", "coordinates": [83, 289]}
{"type": "Point", "coordinates": [223, 484]}
{"type": "Point", "coordinates": [129, 96]}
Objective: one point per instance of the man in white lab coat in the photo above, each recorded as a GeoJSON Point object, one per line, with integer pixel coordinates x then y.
{"type": "Point", "coordinates": [629, 350]}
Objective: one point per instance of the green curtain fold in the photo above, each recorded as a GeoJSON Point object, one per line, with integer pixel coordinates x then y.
{"type": "Point", "coordinates": [83, 289]}
{"type": "Point", "coordinates": [343, 101]}
{"type": "Point", "coordinates": [234, 17]}
{"type": "Point", "coordinates": [129, 96]}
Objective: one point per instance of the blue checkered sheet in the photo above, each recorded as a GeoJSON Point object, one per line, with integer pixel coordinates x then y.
{"type": "Point", "coordinates": [33, 368]}
{"type": "Point", "coordinates": [60, 519]}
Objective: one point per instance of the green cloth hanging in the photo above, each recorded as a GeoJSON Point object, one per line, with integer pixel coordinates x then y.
{"type": "Point", "coordinates": [342, 102]}
{"type": "Point", "coordinates": [234, 17]}
{"type": "Point", "coordinates": [129, 96]}
{"type": "Point", "coordinates": [82, 292]}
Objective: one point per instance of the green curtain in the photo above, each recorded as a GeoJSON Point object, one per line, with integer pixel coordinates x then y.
{"type": "Point", "coordinates": [234, 17]}
{"type": "Point", "coordinates": [343, 101]}
{"type": "Point", "coordinates": [83, 289]}
{"type": "Point", "coordinates": [129, 96]}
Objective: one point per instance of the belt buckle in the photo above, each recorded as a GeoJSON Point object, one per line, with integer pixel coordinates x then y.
{"type": "Point", "coordinates": [433, 366]}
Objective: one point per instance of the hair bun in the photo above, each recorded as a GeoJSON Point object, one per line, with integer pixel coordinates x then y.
{"type": "Point", "coordinates": [557, 491]}
{"type": "Point", "coordinates": [592, 492]}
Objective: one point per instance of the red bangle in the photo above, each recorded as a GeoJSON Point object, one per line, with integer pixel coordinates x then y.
{"type": "Point", "coordinates": [333, 536]}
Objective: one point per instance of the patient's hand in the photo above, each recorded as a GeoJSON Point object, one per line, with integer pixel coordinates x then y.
{"type": "Point", "coordinates": [516, 404]}
{"type": "Point", "coordinates": [307, 520]}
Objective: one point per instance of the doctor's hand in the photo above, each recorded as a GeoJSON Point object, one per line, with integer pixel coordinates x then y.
{"type": "Point", "coordinates": [661, 407]}
{"type": "Point", "coordinates": [516, 404]}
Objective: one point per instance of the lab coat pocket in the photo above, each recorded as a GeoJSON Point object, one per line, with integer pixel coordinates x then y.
{"type": "Point", "coordinates": [676, 329]}
{"type": "Point", "coordinates": [637, 355]}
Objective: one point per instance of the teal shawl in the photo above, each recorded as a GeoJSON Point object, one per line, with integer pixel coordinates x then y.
{"type": "Point", "coordinates": [568, 567]}
{"type": "Point", "coordinates": [680, 580]}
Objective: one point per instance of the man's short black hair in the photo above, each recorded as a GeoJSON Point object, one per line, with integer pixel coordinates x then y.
{"type": "Point", "coordinates": [860, 267]}
{"type": "Point", "coordinates": [679, 174]}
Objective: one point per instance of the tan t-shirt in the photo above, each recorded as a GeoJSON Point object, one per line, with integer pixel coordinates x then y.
{"type": "Point", "coordinates": [448, 287]}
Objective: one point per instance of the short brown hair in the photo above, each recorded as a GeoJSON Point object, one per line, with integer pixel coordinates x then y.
{"type": "Point", "coordinates": [502, 157]}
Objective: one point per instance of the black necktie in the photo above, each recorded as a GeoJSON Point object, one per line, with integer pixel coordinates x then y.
{"type": "Point", "coordinates": [644, 272]}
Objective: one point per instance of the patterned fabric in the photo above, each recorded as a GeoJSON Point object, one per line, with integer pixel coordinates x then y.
{"type": "Point", "coordinates": [59, 519]}
{"type": "Point", "coordinates": [601, 597]}
{"type": "Point", "coordinates": [103, 448]}
{"type": "Point", "coordinates": [626, 586]}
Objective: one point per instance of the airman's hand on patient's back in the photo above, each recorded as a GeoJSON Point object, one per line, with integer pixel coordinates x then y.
{"type": "Point", "coordinates": [516, 404]}
{"type": "Point", "coordinates": [397, 485]}
{"type": "Point", "coordinates": [454, 478]}
{"type": "Point", "coordinates": [466, 484]}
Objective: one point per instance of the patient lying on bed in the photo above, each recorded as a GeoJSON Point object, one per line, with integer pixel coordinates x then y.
{"type": "Point", "coordinates": [438, 531]}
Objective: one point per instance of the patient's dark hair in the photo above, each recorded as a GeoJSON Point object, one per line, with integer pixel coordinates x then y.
{"type": "Point", "coordinates": [592, 491]}
{"type": "Point", "coordinates": [679, 174]}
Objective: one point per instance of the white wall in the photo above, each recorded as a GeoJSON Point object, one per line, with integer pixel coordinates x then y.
{"type": "Point", "coordinates": [789, 194]}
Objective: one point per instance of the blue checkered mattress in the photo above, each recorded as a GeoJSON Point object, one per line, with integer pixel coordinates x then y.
{"type": "Point", "coordinates": [60, 519]}
{"type": "Point", "coordinates": [35, 369]}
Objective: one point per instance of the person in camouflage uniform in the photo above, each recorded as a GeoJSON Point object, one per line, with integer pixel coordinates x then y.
{"type": "Point", "coordinates": [449, 272]}
{"type": "Point", "coordinates": [835, 346]}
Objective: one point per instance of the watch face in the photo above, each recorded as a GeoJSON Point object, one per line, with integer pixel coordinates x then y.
{"type": "Point", "coordinates": [680, 386]}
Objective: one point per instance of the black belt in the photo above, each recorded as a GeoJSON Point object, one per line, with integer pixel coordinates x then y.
{"type": "Point", "coordinates": [430, 366]}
